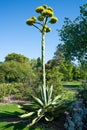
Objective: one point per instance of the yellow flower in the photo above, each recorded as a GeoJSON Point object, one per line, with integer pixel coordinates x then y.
{"type": "Point", "coordinates": [41, 18]}
{"type": "Point", "coordinates": [31, 20]}
{"type": "Point", "coordinates": [47, 12]}
{"type": "Point", "coordinates": [53, 20]}
{"type": "Point", "coordinates": [47, 29]}
{"type": "Point", "coordinates": [39, 9]}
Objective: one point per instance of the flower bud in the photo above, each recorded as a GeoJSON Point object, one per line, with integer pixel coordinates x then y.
{"type": "Point", "coordinates": [47, 12]}
{"type": "Point", "coordinates": [39, 9]}
{"type": "Point", "coordinates": [41, 18]}
{"type": "Point", "coordinates": [47, 29]}
{"type": "Point", "coordinates": [53, 20]}
{"type": "Point", "coordinates": [31, 20]}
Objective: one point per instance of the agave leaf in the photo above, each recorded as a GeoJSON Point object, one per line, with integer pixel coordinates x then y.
{"type": "Point", "coordinates": [37, 100]}
{"type": "Point", "coordinates": [47, 94]}
{"type": "Point", "coordinates": [27, 115]}
{"type": "Point", "coordinates": [49, 118]}
{"type": "Point", "coordinates": [50, 93]}
{"type": "Point", "coordinates": [56, 98]}
{"type": "Point", "coordinates": [35, 120]}
{"type": "Point", "coordinates": [30, 107]}
{"type": "Point", "coordinates": [40, 112]}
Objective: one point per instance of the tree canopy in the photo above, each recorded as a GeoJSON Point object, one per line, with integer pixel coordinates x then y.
{"type": "Point", "coordinates": [16, 57]}
{"type": "Point", "coordinates": [74, 37]}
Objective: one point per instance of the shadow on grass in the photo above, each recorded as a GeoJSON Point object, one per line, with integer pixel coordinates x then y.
{"type": "Point", "coordinates": [17, 126]}
{"type": "Point", "coordinates": [9, 114]}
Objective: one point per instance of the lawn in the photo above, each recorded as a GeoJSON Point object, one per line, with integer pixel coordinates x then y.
{"type": "Point", "coordinates": [11, 126]}
{"type": "Point", "coordinates": [72, 84]}
{"type": "Point", "coordinates": [11, 110]}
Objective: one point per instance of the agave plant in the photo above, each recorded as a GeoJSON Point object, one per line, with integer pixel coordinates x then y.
{"type": "Point", "coordinates": [41, 108]}
{"type": "Point", "coordinates": [43, 105]}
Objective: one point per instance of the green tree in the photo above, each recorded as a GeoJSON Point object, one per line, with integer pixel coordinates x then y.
{"type": "Point", "coordinates": [15, 70]}
{"type": "Point", "coordinates": [16, 57]}
{"type": "Point", "coordinates": [74, 37]}
{"type": "Point", "coordinates": [67, 70]}
{"type": "Point", "coordinates": [54, 78]}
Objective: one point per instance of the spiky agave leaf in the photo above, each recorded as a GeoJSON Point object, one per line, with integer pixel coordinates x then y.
{"type": "Point", "coordinates": [27, 115]}
{"type": "Point", "coordinates": [37, 100]}
{"type": "Point", "coordinates": [35, 120]}
{"type": "Point", "coordinates": [56, 98]}
{"type": "Point", "coordinates": [50, 93]}
{"type": "Point", "coordinates": [40, 112]}
{"type": "Point", "coordinates": [49, 118]}
{"type": "Point", "coordinates": [29, 107]}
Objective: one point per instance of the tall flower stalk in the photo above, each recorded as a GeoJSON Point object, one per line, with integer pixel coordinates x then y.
{"type": "Point", "coordinates": [46, 16]}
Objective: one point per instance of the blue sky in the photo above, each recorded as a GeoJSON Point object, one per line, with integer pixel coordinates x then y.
{"type": "Point", "coordinates": [16, 36]}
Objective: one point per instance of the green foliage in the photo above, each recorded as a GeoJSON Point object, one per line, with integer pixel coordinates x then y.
{"type": "Point", "coordinates": [3, 91]}
{"type": "Point", "coordinates": [83, 70]}
{"type": "Point", "coordinates": [66, 69]}
{"type": "Point", "coordinates": [14, 71]}
{"type": "Point", "coordinates": [74, 37]}
{"type": "Point", "coordinates": [54, 78]}
{"type": "Point", "coordinates": [16, 57]}
{"type": "Point", "coordinates": [22, 91]}
{"type": "Point", "coordinates": [83, 91]}
{"type": "Point", "coordinates": [46, 106]}
{"type": "Point", "coordinates": [6, 89]}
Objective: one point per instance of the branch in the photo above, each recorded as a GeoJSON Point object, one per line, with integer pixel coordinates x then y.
{"type": "Point", "coordinates": [39, 23]}
{"type": "Point", "coordinates": [46, 20]}
{"type": "Point", "coordinates": [36, 27]}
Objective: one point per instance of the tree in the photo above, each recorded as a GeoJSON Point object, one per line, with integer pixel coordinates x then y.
{"type": "Point", "coordinates": [12, 71]}
{"type": "Point", "coordinates": [54, 78]}
{"type": "Point", "coordinates": [66, 69]}
{"type": "Point", "coordinates": [74, 37]}
{"type": "Point", "coordinates": [16, 57]}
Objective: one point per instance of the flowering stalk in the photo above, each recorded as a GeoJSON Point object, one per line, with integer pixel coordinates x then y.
{"type": "Point", "coordinates": [46, 16]}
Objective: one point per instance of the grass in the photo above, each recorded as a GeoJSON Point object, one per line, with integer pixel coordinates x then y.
{"type": "Point", "coordinates": [12, 110]}
{"type": "Point", "coordinates": [11, 126]}
{"type": "Point", "coordinates": [72, 84]}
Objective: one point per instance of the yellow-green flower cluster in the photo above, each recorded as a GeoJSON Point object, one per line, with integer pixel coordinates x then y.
{"type": "Point", "coordinates": [40, 18]}
{"type": "Point", "coordinates": [53, 20]}
{"type": "Point", "coordinates": [39, 9]}
{"type": "Point", "coordinates": [47, 29]}
{"type": "Point", "coordinates": [31, 20]}
{"type": "Point", "coordinates": [45, 11]}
